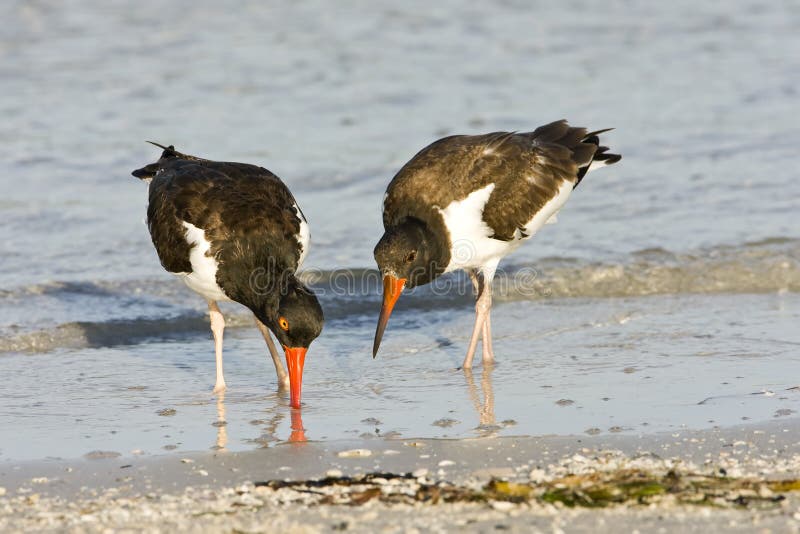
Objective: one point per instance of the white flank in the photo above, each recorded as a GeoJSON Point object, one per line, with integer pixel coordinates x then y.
{"type": "Point", "coordinates": [203, 278]}
{"type": "Point", "coordinates": [303, 237]}
{"type": "Point", "coordinates": [470, 244]}
{"type": "Point", "coordinates": [547, 215]}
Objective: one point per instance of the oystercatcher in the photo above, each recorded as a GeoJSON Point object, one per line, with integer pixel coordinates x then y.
{"type": "Point", "coordinates": [233, 231]}
{"type": "Point", "coordinates": [467, 201]}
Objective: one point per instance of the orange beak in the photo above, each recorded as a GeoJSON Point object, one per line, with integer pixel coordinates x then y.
{"type": "Point", "coordinates": [392, 287]}
{"type": "Point", "coordinates": [295, 358]}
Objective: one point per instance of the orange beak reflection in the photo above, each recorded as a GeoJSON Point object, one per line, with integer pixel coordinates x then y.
{"type": "Point", "coordinates": [392, 287]}
{"type": "Point", "coordinates": [298, 434]}
{"type": "Point", "coordinates": [295, 358]}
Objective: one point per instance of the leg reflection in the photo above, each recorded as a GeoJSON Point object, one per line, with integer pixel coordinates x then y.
{"type": "Point", "coordinates": [221, 423]}
{"type": "Point", "coordinates": [485, 410]}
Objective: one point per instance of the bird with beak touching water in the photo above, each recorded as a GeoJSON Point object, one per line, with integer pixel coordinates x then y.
{"type": "Point", "coordinates": [465, 202]}
{"type": "Point", "coordinates": [234, 232]}
{"type": "Point", "coordinates": [296, 321]}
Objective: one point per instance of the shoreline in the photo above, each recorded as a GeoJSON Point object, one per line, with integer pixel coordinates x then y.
{"type": "Point", "coordinates": [146, 490]}
{"type": "Point", "coordinates": [309, 459]}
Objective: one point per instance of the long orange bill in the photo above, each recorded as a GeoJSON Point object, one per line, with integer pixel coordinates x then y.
{"type": "Point", "coordinates": [392, 287]}
{"type": "Point", "coordinates": [295, 358]}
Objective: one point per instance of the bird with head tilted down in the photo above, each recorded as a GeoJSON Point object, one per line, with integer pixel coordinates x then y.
{"type": "Point", "coordinates": [233, 231]}
{"type": "Point", "coordinates": [467, 201]}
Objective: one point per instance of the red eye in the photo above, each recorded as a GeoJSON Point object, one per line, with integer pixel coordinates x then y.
{"type": "Point", "coordinates": [283, 323]}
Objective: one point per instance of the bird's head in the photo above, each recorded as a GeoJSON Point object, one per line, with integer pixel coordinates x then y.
{"type": "Point", "coordinates": [296, 322]}
{"type": "Point", "coordinates": [408, 255]}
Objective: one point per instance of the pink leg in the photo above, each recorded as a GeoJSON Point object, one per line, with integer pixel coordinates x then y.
{"type": "Point", "coordinates": [283, 376]}
{"type": "Point", "coordinates": [482, 309]}
{"type": "Point", "coordinates": [217, 327]}
{"type": "Point", "coordinates": [488, 353]}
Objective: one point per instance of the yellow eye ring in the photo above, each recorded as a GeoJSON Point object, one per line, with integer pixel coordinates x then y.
{"type": "Point", "coordinates": [283, 323]}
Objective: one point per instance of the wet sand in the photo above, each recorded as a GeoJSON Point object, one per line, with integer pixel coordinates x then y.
{"type": "Point", "coordinates": [228, 491]}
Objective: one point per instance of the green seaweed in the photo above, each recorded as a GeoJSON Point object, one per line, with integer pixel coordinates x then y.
{"type": "Point", "coordinates": [593, 490]}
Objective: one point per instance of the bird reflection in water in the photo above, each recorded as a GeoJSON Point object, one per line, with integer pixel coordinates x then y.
{"type": "Point", "coordinates": [487, 426]}
{"type": "Point", "coordinates": [298, 434]}
{"type": "Point", "coordinates": [270, 435]}
{"type": "Point", "coordinates": [221, 423]}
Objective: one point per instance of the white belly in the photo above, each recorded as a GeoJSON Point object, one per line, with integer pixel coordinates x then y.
{"type": "Point", "coordinates": [203, 278]}
{"type": "Point", "coordinates": [471, 244]}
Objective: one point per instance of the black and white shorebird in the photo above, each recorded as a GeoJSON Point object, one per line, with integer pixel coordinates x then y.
{"type": "Point", "coordinates": [233, 231]}
{"type": "Point", "coordinates": [467, 201]}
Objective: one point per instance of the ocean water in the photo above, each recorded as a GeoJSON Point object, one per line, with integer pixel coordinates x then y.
{"type": "Point", "coordinates": [667, 295]}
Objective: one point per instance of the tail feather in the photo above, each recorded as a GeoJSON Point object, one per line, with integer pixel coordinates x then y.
{"type": "Point", "coordinates": [600, 158]}
{"type": "Point", "coordinates": [584, 146]}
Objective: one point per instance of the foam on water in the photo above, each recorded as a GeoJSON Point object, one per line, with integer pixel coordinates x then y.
{"type": "Point", "coordinates": [128, 312]}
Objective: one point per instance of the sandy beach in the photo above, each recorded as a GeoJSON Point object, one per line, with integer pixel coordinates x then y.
{"type": "Point", "coordinates": [427, 485]}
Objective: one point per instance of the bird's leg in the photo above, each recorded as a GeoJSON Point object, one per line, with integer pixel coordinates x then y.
{"type": "Point", "coordinates": [480, 315]}
{"type": "Point", "coordinates": [217, 327]}
{"type": "Point", "coordinates": [476, 282]}
{"type": "Point", "coordinates": [488, 353]}
{"type": "Point", "coordinates": [486, 334]}
{"type": "Point", "coordinates": [482, 308]}
{"type": "Point", "coordinates": [283, 376]}
{"type": "Point", "coordinates": [487, 276]}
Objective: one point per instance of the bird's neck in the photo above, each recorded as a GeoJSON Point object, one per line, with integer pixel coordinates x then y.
{"type": "Point", "coordinates": [257, 287]}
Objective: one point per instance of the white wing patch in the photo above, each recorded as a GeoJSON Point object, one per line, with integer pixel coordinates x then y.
{"type": "Point", "coordinates": [470, 243]}
{"type": "Point", "coordinates": [303, 237]}
{"type": "Point", "coordinates": [203, 278]}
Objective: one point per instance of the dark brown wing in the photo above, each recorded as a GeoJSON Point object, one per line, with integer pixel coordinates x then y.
{"type": "Point", "coordinates": [530, 169]}
{"type": "Point", "coordinates": [440, 173]}
{"type": "Point", "coordinates": [246, 212]}
{"type": "Point", "coordinates": [526, 169]}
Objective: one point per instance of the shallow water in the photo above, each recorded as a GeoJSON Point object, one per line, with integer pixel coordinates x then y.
{"type": "Point", "coordinates": [671, 279]}
{"type": "Point", "coordinates": [567, 366]}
